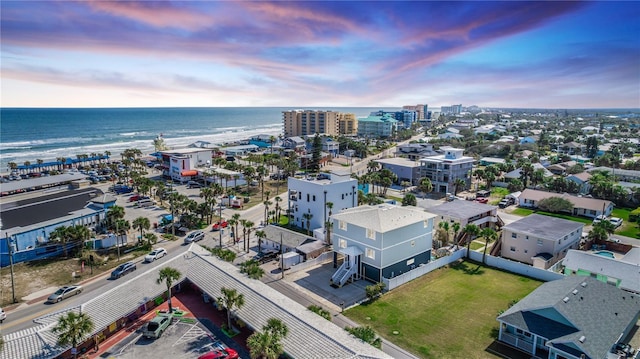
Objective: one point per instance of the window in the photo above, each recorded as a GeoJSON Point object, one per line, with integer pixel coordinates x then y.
{"type": "Point", "coordinates": [513, 249]}
{"type": "Point", "coordinates": [371, 234]}
{"type": "Point", "coordinates": [526, 251]}
{"type": "Point", "coordinates": [526, 237]}
{"type": "Point", "coordinates": [425, 223]}
{"type": "Point", "coordinates": [307, 197]}
{"type": "Point", "coordinates": [565, 237]}
{"type": "Point", "coordinates": [514, 235]}
{"type": "Point", "coordinates": [411, 261]}
{"type": "Point", "coordinates": [370, 253]}
{"type": "Point", "coordinates": [342, 225]}
{"type": "Point", "coordinates": [314, 197]}
{"type": "Point", "coordinates": [343, 243]}
{"type": "Point", "coordinates": [539, 242]}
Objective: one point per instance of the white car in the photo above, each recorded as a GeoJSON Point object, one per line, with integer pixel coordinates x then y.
{"type": "Point", "coordinates": [3, 315]}
{"type": "Point", "coordinates": [155, 254]}
{"type": "Point", "coordinates": [617, 222]}
{"type": "Point", "coordinates": [599, 219]}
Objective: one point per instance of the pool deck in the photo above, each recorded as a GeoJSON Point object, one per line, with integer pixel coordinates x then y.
{"type": "Point", "coordinates": [616, 255]}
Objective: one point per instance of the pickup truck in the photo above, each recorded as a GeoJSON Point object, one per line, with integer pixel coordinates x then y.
{"type": "Point", "coordinates": [157, 326]}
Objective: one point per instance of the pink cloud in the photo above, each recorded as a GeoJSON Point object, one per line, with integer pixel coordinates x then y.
{"type": "Point", "coordinates": [157, 14]}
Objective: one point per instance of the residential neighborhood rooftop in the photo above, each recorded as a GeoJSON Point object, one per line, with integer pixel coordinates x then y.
{"type": "Point", "coordinates": [382, 218]}
{"type": "Point", "coordinates": [546, 227]}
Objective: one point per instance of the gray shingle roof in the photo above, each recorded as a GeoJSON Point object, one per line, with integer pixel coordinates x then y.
{"type": "Point", "coordinates": [461, 209]}
{"type": "Point", "coordinates": [598, 311]}
{"type": "Point", "coordinates": [310, 336]}
{"type": "Point", "coordinates": [382, 218]}
{"type": "Point", "coordinates": [545, 227]}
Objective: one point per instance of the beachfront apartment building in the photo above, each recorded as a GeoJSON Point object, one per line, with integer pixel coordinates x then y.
{"type": "Point", "coordinates": [308, 198]}
{"type": "Point", "coordinates": [443, 170]}
{"type": "Point", "coordinates": [180, 164]}
{"type": "Point", "coordinates": [380, 241]}
{"type": "Point", "coordinates": [377, 126]}
{"type": "Point", "coordinates": [540, 240]}
{"type": "Point", "coordinates": [348, 124]}
{"type": "Point", "coordinates": [310, 122]}
{"type": "Point", "coordinates": [420, 110]}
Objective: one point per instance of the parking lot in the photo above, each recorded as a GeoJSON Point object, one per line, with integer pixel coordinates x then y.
{"type": "Point", "coordinates": [180, 340]}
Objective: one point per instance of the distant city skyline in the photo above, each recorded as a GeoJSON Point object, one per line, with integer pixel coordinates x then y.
{"type": "Point", "coordinates": [320, 54]}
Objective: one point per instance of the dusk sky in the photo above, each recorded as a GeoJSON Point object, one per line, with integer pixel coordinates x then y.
{"type": "Point", "coordinates": [342, 54]}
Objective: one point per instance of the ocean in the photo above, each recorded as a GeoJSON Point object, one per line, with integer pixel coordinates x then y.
{"type": "Point", "coordinates": [29, 134]}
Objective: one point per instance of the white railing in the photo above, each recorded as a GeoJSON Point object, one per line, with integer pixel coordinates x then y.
{"type": "Point", "coordinates": [321, 259]}
{"type": "Point", "coordinates": [518, 342]}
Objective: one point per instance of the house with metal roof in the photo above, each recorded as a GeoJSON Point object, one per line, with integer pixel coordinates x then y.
{"type": "Point", "coordinates": [466, 212]}
{"type": "Point", "coordinates": [540, 240]}
{"type": "Point", "coordinates": [310, 336]}
{"type": "Point", "coordinates": [574, 317]}
{"type": "Point", "coordinates": [623, 272]}
{"type": "Point", "coordinates": [380, 241]}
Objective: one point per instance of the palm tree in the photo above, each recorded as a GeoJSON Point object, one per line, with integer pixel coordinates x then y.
{"type": "Point", "coordinates": [268, 343]}
{"type": "Point", "coordinates": [261, 235]}
{"type": "Point", "coordinates": [471, 230]}
{"type": "Point", "coordinates": [456, 229]}
{"type": "Point", "coordinates": [307, 217]}
{"type": "Point", "coordinates": [458, 183]}
{"type": "Point", "coordinates": [72, 328]}
{"type": "Point", "coordinates": [445, 227]}
{"type": "Point", "coordinates": [249, 226]}
{"type": "Point", "coordinates": [425, 186]}
{"type": "Point", "coordinates": [60, 234]}
{"type": "Point", "coordinates": [278, 208]}
{"type": "Point", "coordinates": [489, 235]}
{"type": "Point", "coordinates": [141, 223]}
{"type": "Point", "coordinates": [266, 203]}
{"type": "Point", "coordinates": [168, 275]}
{"type": "Point", "coordinates": [230, 298]}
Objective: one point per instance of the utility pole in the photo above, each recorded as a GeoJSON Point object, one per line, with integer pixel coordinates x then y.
{"type": "Point", "coordinates": [13, 288]}
{"type": "Point", "coordinates": [281, 258]}
{"type": "Point", "coordinates": [117, 240]}
{"type": "Point", "coordinates": [220, 222]}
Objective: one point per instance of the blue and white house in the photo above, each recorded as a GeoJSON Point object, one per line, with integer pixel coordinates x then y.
{"type": "Point", "coordinates": [380, 241]}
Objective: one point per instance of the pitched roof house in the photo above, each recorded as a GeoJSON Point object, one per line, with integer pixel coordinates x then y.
{"type": "Point", "coordinates": [582, 206]}
{"type": "Point", "coordinates": [572, 318]}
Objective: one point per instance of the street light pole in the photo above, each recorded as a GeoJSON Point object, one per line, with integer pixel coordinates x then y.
{"type": "Point", "coordinates": [220, 222]}
{"type": "Point", "coordinates": [13, 288]}
{"type": "Point", "coordinates": [117, 241]}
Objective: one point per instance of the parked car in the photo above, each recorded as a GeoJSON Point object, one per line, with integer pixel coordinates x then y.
{"type": "Point", "coordinates": [504, 203]}
{"type": "Point", "coordinates": [617, 222]}
{"type": "Point", "coordinates": [3, 315]}
{"type": "Point", "coordinates": [482, 199]}
{"type": "Point", "coordinates": [193, 184]}
{"type": "Point", "coordinates": [64, 293]}
{"type": "Point", "coordinates": [157, 326]}
{"type": "Point", "coordinates": [219, 225]}
{"type": "Point", "coordinates": [226, 353]}
{"type": "Point", "coordinates": [123, 269]}
{"type": "Point", "coordinates": [155, 254]}
{"type": "Point", "coordinates": [194, 237]}
{"type": "Point", "coordinates": [266, 256]}
{"type": "Point", "coordinates": [599, 219]}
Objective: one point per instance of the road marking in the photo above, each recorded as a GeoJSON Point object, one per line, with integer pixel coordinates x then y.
{"type": "Point", "coordinates": [194, 332]}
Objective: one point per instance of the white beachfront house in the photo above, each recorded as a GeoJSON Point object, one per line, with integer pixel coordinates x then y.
{"type": "Point", "coordinates": [180, 164]}
{"type": "Point", "coordinates": [380, 241]}
{"type": "Point", "coordinates": [310, 196]}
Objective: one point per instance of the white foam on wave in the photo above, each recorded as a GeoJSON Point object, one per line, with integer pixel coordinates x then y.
{"type": "Point", "coordinates": [116, 147]}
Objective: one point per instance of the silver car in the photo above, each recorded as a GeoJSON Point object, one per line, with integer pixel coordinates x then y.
{"type": "Point", "coordinates": [194, 237]}
{"type": "Point", "coordinates": [64, 293]}
{"type": "Point", "coordinates": [155, 254]}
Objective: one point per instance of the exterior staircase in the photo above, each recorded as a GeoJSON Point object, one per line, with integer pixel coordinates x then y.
{"type": "Point", "coordinates": [346, 271]}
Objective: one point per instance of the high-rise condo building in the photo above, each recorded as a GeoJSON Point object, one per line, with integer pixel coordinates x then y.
{"type": "Point", "coordinates": [310, 122]}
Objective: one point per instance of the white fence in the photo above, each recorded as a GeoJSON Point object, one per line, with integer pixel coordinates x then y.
{"type": "Point", "coordinates": [516, 267]}
{"type": "Point", "coordinates": [321, 259]}
{"type": "Point", "coordinates": [496, 262]}
{"type": "Point", "coordinates": [423, 269]}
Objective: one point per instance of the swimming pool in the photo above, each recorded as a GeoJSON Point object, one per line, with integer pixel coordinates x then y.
{"type": "Point", "coordinates": [605, 254]}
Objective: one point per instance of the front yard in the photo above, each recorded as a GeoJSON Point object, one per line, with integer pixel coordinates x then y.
{"type": "Point", "coordinates": [448, 313]}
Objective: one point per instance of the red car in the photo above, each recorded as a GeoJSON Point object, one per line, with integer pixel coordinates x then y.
{"type": "Point", "coordinates": [226, 353]}
{"type": "Point", "coordinates": [218, 225]}
{"type": "Point", "coordinates": [482, 200]}
{"type": "Point", "coordinates": [134, 198]}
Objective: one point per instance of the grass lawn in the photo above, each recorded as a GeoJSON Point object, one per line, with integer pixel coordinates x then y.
{"type": "Point", "coordinates": [475, 246]}
{"type": "Point", "coordinates": [522, 212]}
{"type": "Point", "coordinates": [627, 229]}
{"type": "Point", "coordinates": [448, 313]}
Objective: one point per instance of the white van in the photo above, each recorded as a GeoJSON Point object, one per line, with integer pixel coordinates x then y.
{"type": "Point", "coordinates": [147, 202]}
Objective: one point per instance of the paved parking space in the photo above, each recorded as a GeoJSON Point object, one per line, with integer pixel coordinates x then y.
{"type": "Point", "coordinates": [180, 340]}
